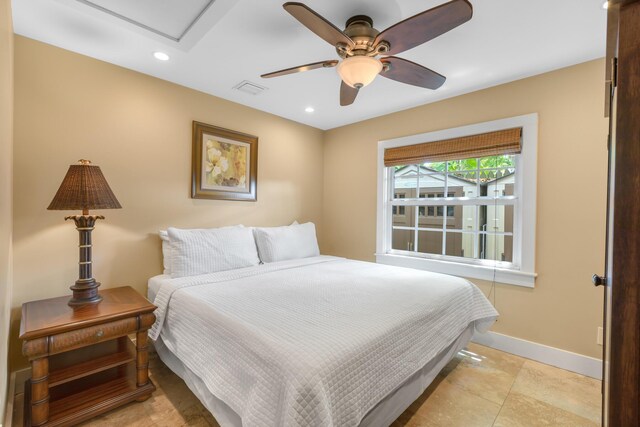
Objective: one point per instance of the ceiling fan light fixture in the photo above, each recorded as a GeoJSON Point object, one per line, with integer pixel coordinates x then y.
{"type": "Point", "coordinates": [359, 71]}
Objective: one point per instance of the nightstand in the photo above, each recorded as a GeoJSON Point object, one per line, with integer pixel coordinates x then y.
{"type": "Point", "coordinates": [82, 360]}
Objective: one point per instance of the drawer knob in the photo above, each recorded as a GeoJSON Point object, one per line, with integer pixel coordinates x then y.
{"type": "Point", "coordinates": [99, 334]}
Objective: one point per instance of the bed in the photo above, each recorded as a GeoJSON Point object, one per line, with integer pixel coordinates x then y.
{"type": "Point", "coordinates": [318, 341]}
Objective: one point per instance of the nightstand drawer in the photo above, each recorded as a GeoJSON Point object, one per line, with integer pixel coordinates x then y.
{"type": "Point", "coordinates": [92, 335]}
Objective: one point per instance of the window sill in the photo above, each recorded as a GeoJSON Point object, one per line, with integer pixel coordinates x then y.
{"type": "Point", "coordinates": [501, 275]}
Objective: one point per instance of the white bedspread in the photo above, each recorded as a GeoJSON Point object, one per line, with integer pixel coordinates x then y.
{"type": "Point", "coordinates": [313, 342]}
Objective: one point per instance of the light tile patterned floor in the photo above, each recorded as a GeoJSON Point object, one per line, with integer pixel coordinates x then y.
{"type": "Point", "coordinates": [480, 387]}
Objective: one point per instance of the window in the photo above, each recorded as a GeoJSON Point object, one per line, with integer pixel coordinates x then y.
{"type": "Point", "coordinates": [478, 199]}
{"type": "Point", "coordinates": [462, 201]}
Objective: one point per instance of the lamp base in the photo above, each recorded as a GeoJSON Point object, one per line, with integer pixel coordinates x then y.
{"type": "Point", "coordinates": [85, 293]}
{"type": "Point", "coordinates": [85, 290]}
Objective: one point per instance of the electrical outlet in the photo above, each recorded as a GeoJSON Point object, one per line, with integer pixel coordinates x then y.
{"type": "Point", "coordinates": [599, 339]}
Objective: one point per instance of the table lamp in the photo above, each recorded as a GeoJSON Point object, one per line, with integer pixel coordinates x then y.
{"type": "Point", "coordinates": [84, 188]}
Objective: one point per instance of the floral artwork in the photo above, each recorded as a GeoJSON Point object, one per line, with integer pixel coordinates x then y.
{"type": "Point", "coordinates": [224, 164]}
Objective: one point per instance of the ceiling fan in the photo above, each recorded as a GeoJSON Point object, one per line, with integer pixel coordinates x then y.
{"type": "Point", "coordinates": [360, 44]}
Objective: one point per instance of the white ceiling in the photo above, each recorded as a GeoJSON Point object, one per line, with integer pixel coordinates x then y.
{"type": "Point", "coordinates": [235, 40]}
{"type": "Point", "coordinates": [171, 19]}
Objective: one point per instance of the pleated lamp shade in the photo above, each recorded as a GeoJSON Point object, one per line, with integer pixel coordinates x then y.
{"type": "Point", "coordinates": [83, 188]}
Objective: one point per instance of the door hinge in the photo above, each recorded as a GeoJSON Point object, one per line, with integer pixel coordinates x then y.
{"type": "Point", "coordinates": [614, 73]}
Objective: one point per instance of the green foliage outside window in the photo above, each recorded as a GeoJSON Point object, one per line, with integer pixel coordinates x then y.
{"type": "Point", "coordinates": [490, 167]}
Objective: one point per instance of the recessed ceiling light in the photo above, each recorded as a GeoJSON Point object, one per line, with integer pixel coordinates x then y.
{"type": "Point", "coordinates": [605, 5]}
{"type": "Point", "coordinates": [161, 56]}
{"type": "Point", "coordinates": [309, 109]}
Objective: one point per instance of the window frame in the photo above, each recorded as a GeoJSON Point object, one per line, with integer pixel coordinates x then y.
{"type": "Point", "coordinates": [521, 271]}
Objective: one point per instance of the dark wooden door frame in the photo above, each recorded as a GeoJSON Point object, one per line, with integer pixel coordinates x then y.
{"type": "Point", "coordinates": [624, 351]}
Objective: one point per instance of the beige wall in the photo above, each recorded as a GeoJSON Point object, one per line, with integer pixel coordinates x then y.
{"type": "Point", "coordinates": [138, 130]}
{"type": "Point", "coordinates": [6, 146]}
{"type": "Point", "coordinates": [564, 310]}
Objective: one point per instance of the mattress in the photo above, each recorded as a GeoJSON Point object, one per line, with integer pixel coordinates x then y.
{"type": "Point", "coordinates": [319, 341]}
{"type": "Point", "coordinates": [154, 284]}
{"type": "Point", "coordinates": [382, 415]}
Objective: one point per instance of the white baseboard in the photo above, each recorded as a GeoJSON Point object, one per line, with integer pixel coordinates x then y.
{"type": "Point", "coordinates": [16, 385]}
{"type": "Point", "coordinates": [563, 359]}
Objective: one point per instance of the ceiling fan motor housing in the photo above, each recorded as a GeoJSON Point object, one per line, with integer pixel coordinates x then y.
{"type": "Point", "coordinates": [360, 29]}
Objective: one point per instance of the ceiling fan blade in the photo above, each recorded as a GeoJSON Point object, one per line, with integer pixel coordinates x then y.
{"type": "Point", "coordinates": [425, 26]}
{"type": "Point", "coordinates": [301, 68]}
{"type": "Point", "coordinates": [347, 94]}
{"type": "Point", "coordinates": [316, 23]}
{"type": "Point", "coordinates": [408, 72]}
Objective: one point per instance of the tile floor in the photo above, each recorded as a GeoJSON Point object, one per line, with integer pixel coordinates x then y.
{"type": "Point", "coordinates": [486, 387]}
{"type": "Point", "coordinates": [479, 387]}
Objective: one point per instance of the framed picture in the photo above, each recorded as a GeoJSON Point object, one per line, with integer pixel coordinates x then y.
{"type": "Point", "coordinates": [224, 164]}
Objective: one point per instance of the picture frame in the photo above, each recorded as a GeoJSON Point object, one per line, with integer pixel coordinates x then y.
{"type": "Point", "coordinates": [224, 164]}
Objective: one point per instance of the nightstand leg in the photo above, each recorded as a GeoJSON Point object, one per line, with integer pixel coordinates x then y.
{"type": "Point", "coordinates": [142, 360]}
{"type": "Point", "coordinates": [39, 391]}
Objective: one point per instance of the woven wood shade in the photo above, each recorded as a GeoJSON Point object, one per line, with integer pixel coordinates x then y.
{"type": "Point", "coordinates": [497, 143]}
{"type": "Point", "coordinates": [83, 188]}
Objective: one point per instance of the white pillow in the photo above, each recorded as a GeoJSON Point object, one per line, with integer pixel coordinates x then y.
{"type": "Point", "coordinates": [196, 252]}
{"type": "Point", "coordinates": [289, 242]}
{"type": "Point", "coordinates": [166, 251]}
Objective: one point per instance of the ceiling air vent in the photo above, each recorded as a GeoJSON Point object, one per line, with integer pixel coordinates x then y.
{"type": "Point", "coordinates": [250, 88]}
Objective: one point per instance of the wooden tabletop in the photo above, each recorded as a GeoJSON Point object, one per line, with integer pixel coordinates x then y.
{"type": "Point", "coordinates": [54, 315]}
